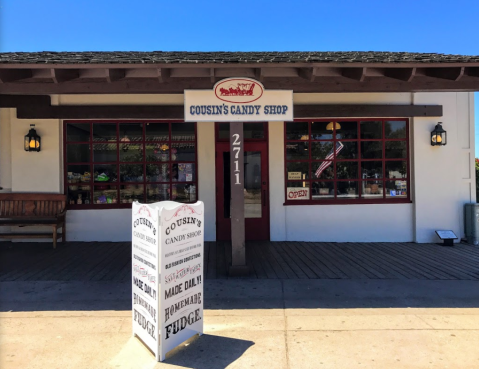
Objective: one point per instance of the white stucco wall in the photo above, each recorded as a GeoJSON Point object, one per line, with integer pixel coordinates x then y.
{"type": "Point", "coordinates": [442, 178]}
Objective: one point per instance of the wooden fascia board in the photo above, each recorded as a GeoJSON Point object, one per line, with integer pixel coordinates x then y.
{"type": "Point", "coordinates": [177, 111]}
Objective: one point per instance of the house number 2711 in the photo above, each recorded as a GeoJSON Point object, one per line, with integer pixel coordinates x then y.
{"type": "Point", "coordinates": [236, 150]}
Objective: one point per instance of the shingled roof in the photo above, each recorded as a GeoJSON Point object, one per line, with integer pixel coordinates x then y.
{"type": "Point", "coordinates": [173, 57]}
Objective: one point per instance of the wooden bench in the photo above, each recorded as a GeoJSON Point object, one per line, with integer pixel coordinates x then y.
{"type": "Point", "coordinates": [33, 209]}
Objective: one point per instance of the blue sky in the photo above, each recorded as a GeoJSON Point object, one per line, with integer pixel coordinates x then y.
{"type": "Point", "coordinates": [249, 25]}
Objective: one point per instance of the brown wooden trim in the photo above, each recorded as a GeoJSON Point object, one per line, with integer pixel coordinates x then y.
{"type": "Point", "coordinates": [342, 111]}
{"type": "Point", "coordinates": [13, 101]}
{"type": "Point", "coordinates": [102, 112]}
{"type": "Point", "coordinates": [453, 74]}
{"type": "Point", "coordinates": [402, 74]}
{"type": "Point", "coordinates": [358, 74]}
{"type": "Point", "coordinates": [14, 75]}
{"type": "Point", "coordinates": [177, 111]}
{"type": "Point", "coordinates": [178, 85]}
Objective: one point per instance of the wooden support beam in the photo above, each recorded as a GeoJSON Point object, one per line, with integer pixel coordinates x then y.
{"type": "Point", "coordinates": [26, 110]}
{"type": "Point", "coordinates": [115, 75]}
{"type": "Point", "coordinates": [402, 74]}
{"type": "Point", "coordinates": [452, 74]}
{"type": "Point", "coordinates": [151, 73]}
{"type": "Point", "coordinates": [64, 75]}
{"type": "Point", "coordinates": [472, 72]}
{"type": "Point", "coordinates": [238, 249]}
{"type": "Point", "coordinates": [212, 75]}
{"type": "Point", "coordinates": [235, 72]}
{"type": "Point", "coordinates": [352, 111]}
{"type": "Point", "coordinates": [13, 101]}
{"type": "Point", "coordinates": [11, 75]}
{"type": "Point", "coordinates": [307, 73]}
{"type": "Point", "coordinates": [259, 75]}
{"type": "Point", "coordinates": [101, 112]}
{"type": "Point", "coordinates": [358, 74]}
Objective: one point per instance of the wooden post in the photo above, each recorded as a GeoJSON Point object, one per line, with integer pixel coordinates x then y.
{"type": "Point", "coordinates": [238, 260]}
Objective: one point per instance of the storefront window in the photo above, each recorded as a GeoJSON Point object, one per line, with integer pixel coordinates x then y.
{"type": "Point", "coordinates": [337, 161]}
{"type": "Point", "coordinates": [111, 164]}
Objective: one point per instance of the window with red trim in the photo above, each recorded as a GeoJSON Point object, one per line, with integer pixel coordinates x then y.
{"type": "Point", "coordinates": [110, 164]}
{"type": "Point", "coordinates": [347, 161]}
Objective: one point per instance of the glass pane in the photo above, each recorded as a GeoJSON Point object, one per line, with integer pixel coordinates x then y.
{"type": "Point", "coordinates": [321, 131]}
{"type": "Point", "coordinates": [297, 191]}
{"type": "Point", "coordinates": [348, 131]}
{"type": "Point", "coordinates": [79, 194]}
{"type": "Point", "coordinates": [131, 132]}
{"type": "Point", "coordinates": [322, 150]}
{"type": "Point", "coordinates": [131, 152]}
{"type": "Point", "coordinates": [105, 173]}
{"type": "Point", "coordinates": [131, 172]}
{"type": "Point", "coordinates": [158, 152]}
{"type": "Point", "coordinates": [253, 130]}
{"type": "Point", "coordinates": [396, 189]}
{"type": "Point", "coordinates": [157, 192]}
{"type": "Point", "coordinates": [252, 184]}
{"type": "Point", "coordinates": [78, 132]}
{"type": "Point", "coordinates": [183, 192]}
{"type": "Point", "coordinates": [157, 132]}
{"type": "Point", "coordinates": [395, 129]}
{"type": "Point", "coordinates": [297, 151]}
{"type": "Point", "coordinates": [131, 193]}
{"type": "Point", "coordinates": [104, 132]}
{"type": "Point", "coordinates": [297, 130]}
{"type": "Point", "coordinates": [322, 170]}
{"type": "Point", "coordinates": [371, 169]}
{"type": "Point", "coordinates": [396, 169]}
{"type": "Point", "coordinates": [372, 189]}
{"type": "Point", "coordinates": [346, 169]}
{"type": "Point", "coordinates": [105, 194]}
{"type": "Point", "coordinates": [103, 153]}
{"type": "Point", "coordinates": [297, 170]}
{"type": "Point", "coordinates": [371, 150]}
{"type": "Point", "coordinates": [396, 150]}
{"type": "Point", "coordinates": [183, 152]}
{"type": "Point", "coordinates": [322, 190]}
{"type": "Point", "coordinates": [371, 130]}
{"type": "Point", "coordinates": [347, 190]}
{"type": "Point", "coordinates": [157, 173]}
{"type": "Point", "coordinates": [183, 172]}
{"type": "Point", "coordinates": [78, 173]}
{"type": "Point", "coordinates": [182, 131]}
{"type": "Point", "coordinates": [79, 153]}
{"type": "Point", "coordinates": [349, 150]}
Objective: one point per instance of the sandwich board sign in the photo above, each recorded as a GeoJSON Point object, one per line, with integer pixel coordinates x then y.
{"type": "Point", "coordinates": [167, 273]}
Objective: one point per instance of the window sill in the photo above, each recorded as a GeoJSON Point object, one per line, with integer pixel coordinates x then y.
{"type": "Point", "coordinates": [347, 202]}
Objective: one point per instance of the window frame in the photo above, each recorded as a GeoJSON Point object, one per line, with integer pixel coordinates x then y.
{"type": "Point", "coordinates": [358, 179]}
{"type": "Point", "coordinates": [144, 142]}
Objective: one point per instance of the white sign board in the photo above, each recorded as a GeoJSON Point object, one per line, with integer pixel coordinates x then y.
{"type": "Point", "coordinates": [238, 99]}
{"type": "Point", "coordinates": [168, 306]}
{"type": "Point", "coordinates": [297, 193]}
{"type": "Point", "coordinates": [446, 235]}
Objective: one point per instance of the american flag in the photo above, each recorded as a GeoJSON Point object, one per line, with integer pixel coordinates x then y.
{"type": "Point", "coordinates": [330, 156]}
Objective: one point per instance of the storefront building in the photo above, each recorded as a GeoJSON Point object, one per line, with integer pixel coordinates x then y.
{"type": "Point", "coordinates": [352, 163]}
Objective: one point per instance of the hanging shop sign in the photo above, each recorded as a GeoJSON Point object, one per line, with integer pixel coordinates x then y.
{"type": "Point", "coordinates": [297, 193]}
{"type": "Point", "coordinates": [167, 273]}
{"type": "Point", "coordinates": [238, 99]}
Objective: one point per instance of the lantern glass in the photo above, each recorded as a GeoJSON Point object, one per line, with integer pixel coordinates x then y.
{"type": "Point", "coordinates": [438, 136]}
{"type": "Point", "coordinates": [32, 141]}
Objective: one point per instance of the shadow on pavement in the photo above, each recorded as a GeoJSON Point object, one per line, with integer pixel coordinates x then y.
{"type": "Point", "coordinates": [209, 352]}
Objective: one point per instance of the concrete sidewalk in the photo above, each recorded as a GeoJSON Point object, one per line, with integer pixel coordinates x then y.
{"type": "Point", "coordinates": [250, 323]}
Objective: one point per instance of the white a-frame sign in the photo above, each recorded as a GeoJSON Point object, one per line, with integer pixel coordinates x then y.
{"type": "Point", "coordinates": [167, 273]}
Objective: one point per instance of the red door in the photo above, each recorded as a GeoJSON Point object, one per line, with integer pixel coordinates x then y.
{"type": "Point", "coordinates": [256, 196]}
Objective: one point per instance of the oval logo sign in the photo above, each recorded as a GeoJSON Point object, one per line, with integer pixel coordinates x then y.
{"type": "Point", "coordinates": [239, 90]}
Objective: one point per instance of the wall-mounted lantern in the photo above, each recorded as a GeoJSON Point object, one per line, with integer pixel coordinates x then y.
{"type": "Point", "coordinates": [32, 140]}
{"type": "Point", "coordinates": [438, 136]}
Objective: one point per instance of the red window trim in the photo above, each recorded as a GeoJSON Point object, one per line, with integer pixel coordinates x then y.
{"type": "Point", "coordinates": [349, 201]}
{"type": "Point", "coordinates": [118, 141]}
